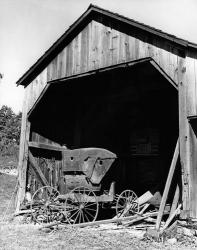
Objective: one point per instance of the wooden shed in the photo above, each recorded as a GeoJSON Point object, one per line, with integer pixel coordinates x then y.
{"type": "Point", "coordinates": [118, 84]}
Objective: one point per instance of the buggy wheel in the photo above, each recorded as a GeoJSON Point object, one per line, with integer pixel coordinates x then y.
{"type": "Point", "coordinates": [127, 204]}
{"type": "Point", "coordinates": [45, 207]}
{"type": "Point", "coordinates": [81, 205]}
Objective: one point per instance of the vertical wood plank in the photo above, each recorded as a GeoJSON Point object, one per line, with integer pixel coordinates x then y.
{"type": "Point", "coordinates": [191, 87]}
{"type": "Point", "coordinates": [142, 49]}
{"type": "Point", "coordinates": [59, 65]}
{"type": "Point", "coordinates": [122, 55]}
{"type": "Point", "coordinates": [84, 50]}
{"type": "Point", "coordinates": [127, 51]}
{"type": "Point", "coordinates": [63, 73]}
{"type": "Point", "coordinates": [115, 46]}
{"type": "Point", "coordinates": [193, 169]}
{"type": "Point", "coordinates": [150, 51]}
{"type": "Point", "coordinates": [77, 54]}
{"type": "Point", "coordinates": [99, 46]}
{"type": "Point", "coordinates": [173, 66]}
{"type": "Point", "coordinates": [69, 58]}
{"type": "Point", "coordinates": [155, 51]}
{"type": "Point", "coordinates": [95, 51]}
{"type": "Point", "coordinates": [132, 48]}
{"type": "Point", "coordinates": [54, 68]}
{"type": "Point", "coordinates": [106, 53]}
{"type": "Point", "coordinates": [195, 75]}
{"type": "Point", "coordinates": [137, 48]}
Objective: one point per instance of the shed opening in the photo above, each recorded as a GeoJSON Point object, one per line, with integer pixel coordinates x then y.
{"type": "Point", "coordinates": [131, 111]}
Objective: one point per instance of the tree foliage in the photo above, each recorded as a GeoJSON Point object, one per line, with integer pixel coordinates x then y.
{"type": "Point", "coordinates": [10, 124]}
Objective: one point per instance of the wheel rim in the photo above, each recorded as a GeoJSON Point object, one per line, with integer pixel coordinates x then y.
{"type": "Point", "coordinates": [127, 203]}
{"type": "Point", "coordinates": [81, 206]}
{"type": "Point", "coordinates": [44, 206]}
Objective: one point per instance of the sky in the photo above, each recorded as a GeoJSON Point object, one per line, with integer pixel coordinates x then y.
{"type": "Point", "coordinates": [29, 27]}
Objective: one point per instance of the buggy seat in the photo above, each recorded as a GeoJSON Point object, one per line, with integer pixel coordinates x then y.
{"type": "Point", "coordinates": [92, 162]}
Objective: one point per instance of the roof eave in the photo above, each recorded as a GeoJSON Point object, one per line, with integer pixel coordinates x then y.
{"type": "Point", "coordinates": [26, 78]}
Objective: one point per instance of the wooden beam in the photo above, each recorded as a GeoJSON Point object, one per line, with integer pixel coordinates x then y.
{"type": "Point", "coordinates": [23, 152]}
{"type": "Point", "coordinates": [37, 170]}
{"type": "Point", "coordinates": [184, 138]}
{"type": "Point", "coordinates": [167, 186]}
{"type": "Point", "coordinates": [33, 144]}
{"type": "Point", "coordinates": [175, 200]}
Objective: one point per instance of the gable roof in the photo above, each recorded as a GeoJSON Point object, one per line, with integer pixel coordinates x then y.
{"type": "Point", "coordinates": [92, 12]}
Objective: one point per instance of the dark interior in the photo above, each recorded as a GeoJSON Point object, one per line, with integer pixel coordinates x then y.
{"type": "Point", "coordinates": [131, 111]}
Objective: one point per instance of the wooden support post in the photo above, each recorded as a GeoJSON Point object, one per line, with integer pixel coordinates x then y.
{"type": "Point", "coordinates": [184, 136]}
{"type": "Point", "coordinates": [193, 169]}
{"type": "Point", "coordinates": [167, 186]}
{"type": "Point", "coordinates": [23, 153]}
{"type": "Point", "coordinates": [37, 170]}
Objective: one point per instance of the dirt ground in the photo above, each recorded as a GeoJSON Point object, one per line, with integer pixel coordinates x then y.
{"type": "Point", "coordinates": [16, 235]}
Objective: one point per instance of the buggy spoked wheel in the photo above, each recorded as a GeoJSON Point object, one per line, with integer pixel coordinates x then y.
{"type": "Point", "coordinates": [127, 204]}
{"type": "Point", "coordinates": [45, 207]}
{"type": "Point", "coordinates": [81, 206]}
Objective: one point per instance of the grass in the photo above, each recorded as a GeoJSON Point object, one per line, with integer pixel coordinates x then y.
{"type": "Point", "coordinates": [8, 162]}
{"type": "Point", "coordinates": [15, 235]}
{"type": "Point", "coordinates": [7, 187]}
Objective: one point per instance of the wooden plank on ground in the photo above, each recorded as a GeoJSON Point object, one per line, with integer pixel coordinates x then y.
{"type": "Point", "coordinates": [177, 211]}
{"type": "Point", "coordinates": [99, 222]}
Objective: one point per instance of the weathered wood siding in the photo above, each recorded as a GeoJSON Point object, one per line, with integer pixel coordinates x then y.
{"type": "Point", "coordinates": [98, 46]}
{"type": "Point", "coordinates": [49, 163]}
{"type": "Point", "coordinates": [35, 88]}
{"type": "Point", "coordinates": [51, 167]}
{"type": "Point", "coordinates": [191, 79]}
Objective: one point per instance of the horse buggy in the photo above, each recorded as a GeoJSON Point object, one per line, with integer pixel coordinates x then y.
{"type": "Point", "coordinates": [80, 194]}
